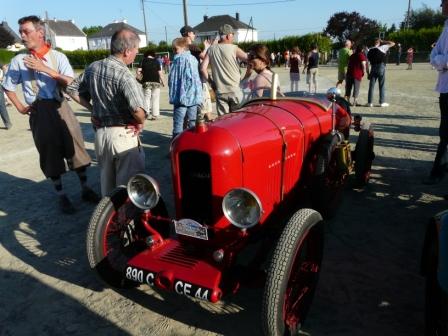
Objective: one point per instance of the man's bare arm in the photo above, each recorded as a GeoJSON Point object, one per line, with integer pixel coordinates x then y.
{"type": "Point", "coordinates": [241, 54]}
{"type": "Point", "coordinates": [204, 67]}
{"type": "Point", "coordinates": [24, 109]}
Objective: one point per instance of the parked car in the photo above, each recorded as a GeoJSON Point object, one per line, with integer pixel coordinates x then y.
{"type": "Point", "coordinates": [260, 179]}
{"type": "Point", "coordinates": [435, 271]}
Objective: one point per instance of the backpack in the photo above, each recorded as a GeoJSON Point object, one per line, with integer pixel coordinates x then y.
{"type": "Point", "coordinates": [376, 56]}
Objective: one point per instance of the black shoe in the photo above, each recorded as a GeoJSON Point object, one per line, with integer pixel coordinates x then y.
{"type": "Point", "coordinates": [65, 205]}
{"type": "Point", "coordinates": [431, 180]}
{"type": "Point", "coordinates": [89, 195]}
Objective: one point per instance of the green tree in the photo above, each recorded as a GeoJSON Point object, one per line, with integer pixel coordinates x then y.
{"type": "Point", "coordinates": [344, 25]}
{"type": "Point", "coordinates": [91, 30]}
{"type": "Point", "coordinates": [424, 17]}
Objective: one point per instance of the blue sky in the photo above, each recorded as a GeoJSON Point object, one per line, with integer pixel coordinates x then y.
{"type": "Point", "coordinates": [272, 18]}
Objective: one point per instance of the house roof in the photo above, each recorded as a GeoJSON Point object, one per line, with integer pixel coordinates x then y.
{"type": "Point", "coordinates": [6, 31]}
{"type": "Point", "coordinates": [111, 28]}
{"type": "Point", "coordinates": [64, 28]}
{"type": "Point", "coordinates": [214, 22]}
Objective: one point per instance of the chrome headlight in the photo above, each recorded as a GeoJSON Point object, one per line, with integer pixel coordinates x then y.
{"type": "Point", "coordinates": [333, 93]}
{"type": "Point", "coordinates": [143, 191]}
{"type": "Point", "coordinates": [242, 208]}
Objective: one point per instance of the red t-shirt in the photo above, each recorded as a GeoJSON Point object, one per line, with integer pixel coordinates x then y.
{"type": "Point", "coordinates": [354, 68]}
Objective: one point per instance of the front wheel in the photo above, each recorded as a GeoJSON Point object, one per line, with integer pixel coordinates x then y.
{"type": "Point", "coordinates": [115, 235]}
{"type": "Point", "coordinates": [293, 274]}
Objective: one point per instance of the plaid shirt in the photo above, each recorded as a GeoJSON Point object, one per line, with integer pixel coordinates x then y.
{"type": "Point", "coordinates": [113, 89]}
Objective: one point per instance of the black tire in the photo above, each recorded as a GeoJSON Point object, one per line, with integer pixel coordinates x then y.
{"type": "Point", "coordinates": [436, 308]}
{"type": "Point", "coordinates": [363, 157]}
{"type": "Point", "coordinates": [327, 188]}
{"type": "Point", "coordinates": [114, 236]}
{"type": "Point", "coordinates": [436, 299]}
{"type": "Point", "coordinates": [293, 274]}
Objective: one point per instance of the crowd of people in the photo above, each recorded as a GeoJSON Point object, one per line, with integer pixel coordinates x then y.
{"type": "Point", "coordinates": [120, 102]}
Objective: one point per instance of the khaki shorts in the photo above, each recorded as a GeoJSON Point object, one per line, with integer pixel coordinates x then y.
{"type": "Point", "coordinates": [119, 156]}
{"type": "Point", "coordinates": [311, 75]}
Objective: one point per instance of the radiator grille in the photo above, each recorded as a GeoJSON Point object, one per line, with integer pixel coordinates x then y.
{"type": "Point", "coordinates": [196, 186]}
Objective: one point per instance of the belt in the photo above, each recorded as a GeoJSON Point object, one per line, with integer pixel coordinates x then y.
{"type": "Point", "coordinates": [96, 127]}
{"type": "Point", "coordinates": [46, 99]}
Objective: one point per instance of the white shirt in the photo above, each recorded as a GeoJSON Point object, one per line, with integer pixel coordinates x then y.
{"type": "Point", "coordinates": [439, 60]}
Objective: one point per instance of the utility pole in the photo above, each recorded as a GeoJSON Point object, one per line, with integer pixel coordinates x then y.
{"type": "Point", "coordinates": [408, 16]}
{"type": "Point", "coordinates": [144, 20]}
{"type": "Point", "coordinates": [185, 13]}
{"type": "Point", "coordinates": [166, 38]}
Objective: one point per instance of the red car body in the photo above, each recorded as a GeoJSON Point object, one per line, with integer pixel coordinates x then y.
{"type": "Point", "coordinates": [263, 148]}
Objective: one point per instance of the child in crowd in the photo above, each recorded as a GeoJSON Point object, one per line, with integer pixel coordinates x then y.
{"type": "Point", "coordinates": [185, 87]}
{"type": "Point", "coordinates": [294, 70]}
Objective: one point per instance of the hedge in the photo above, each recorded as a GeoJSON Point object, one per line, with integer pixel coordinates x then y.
{"type": "Point", "coordinates": [79, 59]}
{"type": "Point", "coordinates": [421, 40]}
{"type": "Point", "coordinates": [288, 42]}
{"type": "Point", "coordinates": [5, 56]}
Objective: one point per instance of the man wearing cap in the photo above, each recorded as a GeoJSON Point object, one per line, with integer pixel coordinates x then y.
{"type": "Point", "coordinates": [206, 106]}
{"type": "Point", "coordinates": [223, 58]}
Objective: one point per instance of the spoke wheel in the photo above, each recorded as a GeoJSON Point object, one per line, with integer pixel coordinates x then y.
{"type": "Point", "coordinates": [293, 274]}
{"type": "Point", "coordinates": [364, 156]}
{"type": "Point", "coordinates": [328, 181]}
{"type": "Point", "coordinates": [114, 236]}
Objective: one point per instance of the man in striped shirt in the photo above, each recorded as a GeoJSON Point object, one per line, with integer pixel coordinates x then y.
{"type": "Point", "coordinates": [110, 91]}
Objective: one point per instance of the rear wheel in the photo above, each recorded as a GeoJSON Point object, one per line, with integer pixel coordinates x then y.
{"type": "Point", "coordinates": [364, 156]}
{"type": "Point", "coordinates": [293, 274]}
{"type": "Point", "coordinates": [114, 236]}
{"type": "Point", "coordinates": [328, 180]}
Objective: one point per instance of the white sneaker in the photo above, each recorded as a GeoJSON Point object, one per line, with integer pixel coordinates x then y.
{"type": "Point", "coordinates": [384, 105]}
{"type": "Point", "coordinates": [369, 105]}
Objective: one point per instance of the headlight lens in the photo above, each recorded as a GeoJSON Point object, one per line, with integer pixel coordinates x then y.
{"type": "Point", "coordinates": [242, 208]}
{"type": "Point", "coordinates": [143, 191]}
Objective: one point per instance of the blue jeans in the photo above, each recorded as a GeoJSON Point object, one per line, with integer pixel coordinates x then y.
{"type": "Point", "coordinates": [378, 71]}
{"type": "Point", "coordinates": [438, 169]}
{"type": "Point", "coordinates": [3, 111]}
{"type": "Point", "coordinates": [179, 114]}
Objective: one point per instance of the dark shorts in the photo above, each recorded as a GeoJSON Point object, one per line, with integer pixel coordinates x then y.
{"type": "Point", "coordinates": [58, 137]}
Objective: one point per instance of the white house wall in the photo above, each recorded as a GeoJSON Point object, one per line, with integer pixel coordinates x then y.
{"type": "Point", "coordinates": [246, 35]}
{"type": "Point", "coordinates": [96, 43]}
{"type": "Point", "coordinates": [71, 42]}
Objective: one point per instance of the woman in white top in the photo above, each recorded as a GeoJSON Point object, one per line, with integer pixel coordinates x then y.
{"type": "Point", "coordinates": [259, 61]}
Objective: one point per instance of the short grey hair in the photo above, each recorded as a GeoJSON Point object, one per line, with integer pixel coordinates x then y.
{"type": "Point", "coordinates": [35, 20]}
{"type": "Point", "coordinates": [122, 40]}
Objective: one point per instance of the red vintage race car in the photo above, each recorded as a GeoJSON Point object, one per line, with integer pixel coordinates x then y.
{"type": "Point", "coordinates": [262, 178]}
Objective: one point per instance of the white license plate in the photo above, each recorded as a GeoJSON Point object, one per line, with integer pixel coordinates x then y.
{"type": "Point", "coordinates": [191, 228]}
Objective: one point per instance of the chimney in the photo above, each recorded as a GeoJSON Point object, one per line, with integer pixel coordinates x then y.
{"type": "Point", "coordinates": [205, 18]}
{"type": "Point", "coordinates": [237, 16]}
